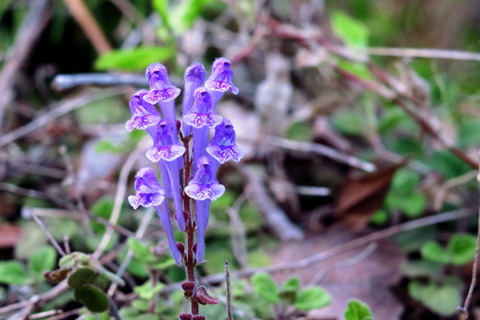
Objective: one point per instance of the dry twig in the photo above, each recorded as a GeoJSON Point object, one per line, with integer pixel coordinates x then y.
{"type": "Point", "coordinates": [58, 110]}
{"type": "Point", "coordinates": [86, 20]}
{"type": "Point", "coordinates": [68, 81]}
{"type": "Point", "coordinates": [275, 217]}
{"type": "Point", "coordinates": [354, 244]}
{"type": "Point", "coordinates": [323, 150]}
{"type": "Point", "coordinates": [463, 311]}
{"type": "Point", "coordinates": [120, 195]}
{"type": "Point", "coordinates": [424, 53]}
{"type": "Point", "coordinates": [38, 15]}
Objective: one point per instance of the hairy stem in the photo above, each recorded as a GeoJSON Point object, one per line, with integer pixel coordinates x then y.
{"type": "Point", "coordinates": [189, 261]}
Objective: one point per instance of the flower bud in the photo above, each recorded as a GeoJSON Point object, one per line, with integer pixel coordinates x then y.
{"type": "Point", "coordinates": [185, 316]}
{"type": "Point", "coordinates": [188, 287]}
{"type": "Point", "coordinates": [203, 297]}
{"type": "Point", "coordinates": [199, 317]}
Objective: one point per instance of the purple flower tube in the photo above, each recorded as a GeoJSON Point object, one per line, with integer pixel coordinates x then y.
{"type": "Point", "coordinates": [223, 145]}
{"type": "Point", "coordinates": [166, 149]}
{"type": "Point", "coordinates": [221, 79]}
{"type": "Point", "coordinates": [203, 187]}
{"type": "Point", "coordinates": [149, 193]}
{"type": "Point", "coordinates": [201, 117]}
{"type": "Point", "coordinates": [144, 114]}
{"type": "Point", "coordinates": [194, 78]}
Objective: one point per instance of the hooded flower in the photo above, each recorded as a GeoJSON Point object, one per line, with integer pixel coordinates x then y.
{"type": "Point", "coordinates": [204, 185]}
{"type": "Point", "coordinates": [161, 90]}
{"type": "Point", "coordinates": [202, 113]}
{"type": "Point", "coordinates": [166, 145]}
{"type": "Point", "coordinates": [223, 146]}
{"type": "Point", "coordinates": [149, 193]}
{"type": "Point", "coordinates": [144, 114]}
{"type": "Point", "coordinates": [221, 78]}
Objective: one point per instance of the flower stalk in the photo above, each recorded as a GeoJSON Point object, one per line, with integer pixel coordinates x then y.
{"type": "Point", "coordinates": [187, 159]}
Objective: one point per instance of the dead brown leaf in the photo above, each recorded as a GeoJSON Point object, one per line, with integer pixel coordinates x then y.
{"type": "Point", "coordinates": [361, 196]}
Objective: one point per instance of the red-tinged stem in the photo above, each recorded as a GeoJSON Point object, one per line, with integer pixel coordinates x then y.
{"type": "Point", "coordinates": [189, 261]}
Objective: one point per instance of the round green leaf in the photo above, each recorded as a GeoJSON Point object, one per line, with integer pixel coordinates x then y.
{"type": "Point", "coordinates": [265, 287]}
{"type": "Point", "coordinates": [13, 272]}
{"type": "Point", "coordinates": [92, 297]}
{"type": "Point", "coordinates": [434, 252]}
{"type": "Point", "coordinates": [42, 259]}
{"type": "Point", "coordinates": [312, 298]}
{"type": "Point", "coordinates": [357, 310]}
{"type": "Point", "coordinates": [462, 247]}
{"type": "Point", "coordinates": [81, 276]}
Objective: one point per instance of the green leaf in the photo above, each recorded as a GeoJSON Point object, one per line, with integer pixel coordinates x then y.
{"type": "Point", "coordinates": [448, 164]}
{"type": "Point", "coordinates": [300, 131]}
{"type": "Point", "coordinates": [81, 276]}
{"type": "Point", "coordinates": [140, 250]}
{"type": "Point", "coordinates": [161, 7]}
{"type": "Point", "coordinates": [13, 272]}
{"type": "Point", "coordinates": [133, 59]}
{"type": "Point", "coordinates": [462, 248]}
{"type": "Point", "coordinates": [92, 297]}
{"type": "Point", "coordinates": [356, 68]}
{"type": "Point", "coordinates": [109, 146]}
{"type": "Point", "coordinates": [468, 134]}
{"type": "Point", "coordinates": [43, 259]}
{"type": "Point", "coordinates": [102, 208]}
{"type": "Point", "coordinates": [346, 121]}
{"type": "Point", "coordinates": [265, 287]}
{"type": "Point", "coordinates": [443, 299]}
{"type": "Point", "coordinates": [289, 290]}
{"type": "Point", "coordinates": [421, 268]}
{"type": "Point", "coordinates": [185, 14]}
{"type": "Point", "coordinates": [292, 283]}
{"type": "Point", "coordinates": [379, 217]}
{"type": "Point", "coordinates": [351, 31]}
{"type": "Point", "coordinates": [357, 310]}
{"type": "Point", "coordinates": [412, 205]}
{"type": "Point", "coordinates": [312, 298]}
{"type": "Point", "coordinates": [405, 180]}
{"type": "Point", "coordinates": [433, 251]}
{"type": "Point", "coordinates": [145, 291]}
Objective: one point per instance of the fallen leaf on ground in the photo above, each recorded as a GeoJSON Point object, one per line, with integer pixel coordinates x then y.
{"type": "Point", "coordinates": [361, 196]}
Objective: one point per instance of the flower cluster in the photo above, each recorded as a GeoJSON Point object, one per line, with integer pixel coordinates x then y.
{"type": "Point", "coordinates": [187, 158]}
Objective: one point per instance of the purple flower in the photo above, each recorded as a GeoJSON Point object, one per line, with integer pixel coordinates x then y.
{"type": "Point", "coordinates": [223, 146]}
{"type": "Point", "coordinates": [166, 145]}
{"type": "Point", "coordinates": [144, 114]}
{"type": "Point", "coordinates": [202, 113]}
{"type": "Point", "coordinates": [204, 185]}
{"type": "Point", "coordinates": [149, 193]}
{"type": "Point", "coordinates": [161, 89]}
{"type": "Point", "coordinates": [221, 77]}
{"type": "Point", "coordinates": [194, 78]}
{"type": "Point", "coordinates": [204, 188]}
